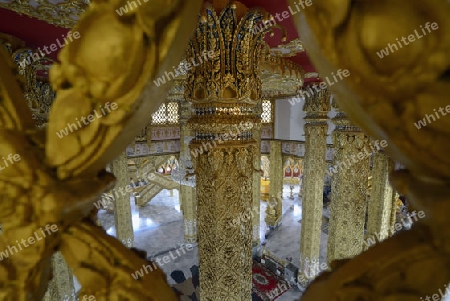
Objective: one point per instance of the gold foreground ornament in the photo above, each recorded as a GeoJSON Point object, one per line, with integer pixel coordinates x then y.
{"type": "Point", "coordinates": [386, 97]}
{"type": "Point", "coordinates": [58, 180]}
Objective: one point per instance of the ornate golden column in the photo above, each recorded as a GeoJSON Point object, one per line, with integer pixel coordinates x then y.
{"type": "Point", "coordinates": [317, 105]}
{"type": "Point", "coordinates": [257, 182]}
{"type": "Point", "coordinates": [257, 186]}
{"type": "Point", "coordinates": [122, 210]}
{"type": "Point", "coordinates": [382, 198]}
{"type": "Point", "coordinates": [393, 219]}
{"type": "Point", "coordinates": [275, 203]}
{"type": "Point", "coordinates": [348, 188]}
{"type": "Point", "coordinates": [188, 198]}
{"type": "Point", "coordinates": [61, 286]}
{"type": "Point", "coordinates": [224, 90]}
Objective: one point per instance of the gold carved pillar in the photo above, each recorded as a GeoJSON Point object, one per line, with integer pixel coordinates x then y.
{"type": "Point", "coordinates": [188, 198]}
{"type": "Point", "coordinates": [348, 188]}
{"type": "Point", "coordinates": [257, 182]}
{"type": "Point", "coordinates": [257, 187]}
{"type": "Point", "coordinates": [382, 198]}
{"type": "Point", "coordinates": [275, 203]}
{"type": "Point", "coordinates": [122, 205]}
{"type": "Point", "coordinates": [224, 88]}
{"type": "Point", "coordinates": [317, 105]}
{"type": "Point", "coordinates": [393, 220]}
{"type": "Point", "coordinates": [61, 286]}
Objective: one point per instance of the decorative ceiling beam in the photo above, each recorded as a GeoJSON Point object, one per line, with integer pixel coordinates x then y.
{"type": "Point", "coordinates": [290, 49]}
{"type": "Point", "coordinates": [281, 78]}
{"type": "Point", "coordinates": [63, 14]}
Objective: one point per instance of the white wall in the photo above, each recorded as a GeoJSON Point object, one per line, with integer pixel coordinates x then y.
{"type": "Point", "coordinates": [290, 120]}
{"type": "Point", "coordinates": [297, 119]}
{"type": "Point", "coordinates": [331, 125]}
{"type": "Point", "coordinates": [282, 119]}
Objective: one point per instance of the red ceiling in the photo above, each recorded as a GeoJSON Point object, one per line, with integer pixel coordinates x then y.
{"type": "Point", "coordinates": [38, 33]}
{"type": "Point", "coordinates": [34, 32]}
{"type": "Point", "coordinates": [279, 6]}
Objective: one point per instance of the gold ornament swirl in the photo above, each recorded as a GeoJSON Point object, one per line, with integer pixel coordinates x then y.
{"type": "Point", "coordinates": [56, 180]}
{"type": "Point", "coordinates": [387, 95]}
{"type": "Point", "coordinates": [115, 60]}
{"type": "Point", "coordinates": [31, 196]}
{"type": "Point", "coordinates": [105, 267]}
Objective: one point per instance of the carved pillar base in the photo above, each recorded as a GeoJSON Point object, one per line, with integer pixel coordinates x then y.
{"type": "Point", "coordinates": [122, 211]}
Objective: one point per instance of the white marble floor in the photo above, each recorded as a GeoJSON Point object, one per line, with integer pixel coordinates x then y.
{"type": "Point", "coordinates": [158, 229]}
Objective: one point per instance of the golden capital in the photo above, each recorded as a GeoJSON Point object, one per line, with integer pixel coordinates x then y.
{"type": "Point", "coordinates": [224, 55]}
{"type": "Point", "coordinates": [317, 104]}
{"type": "Point", "coordinates": [341, 121]}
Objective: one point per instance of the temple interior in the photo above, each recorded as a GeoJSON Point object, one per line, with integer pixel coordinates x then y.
{"type": "Point", "coordinates": [250, 150]}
